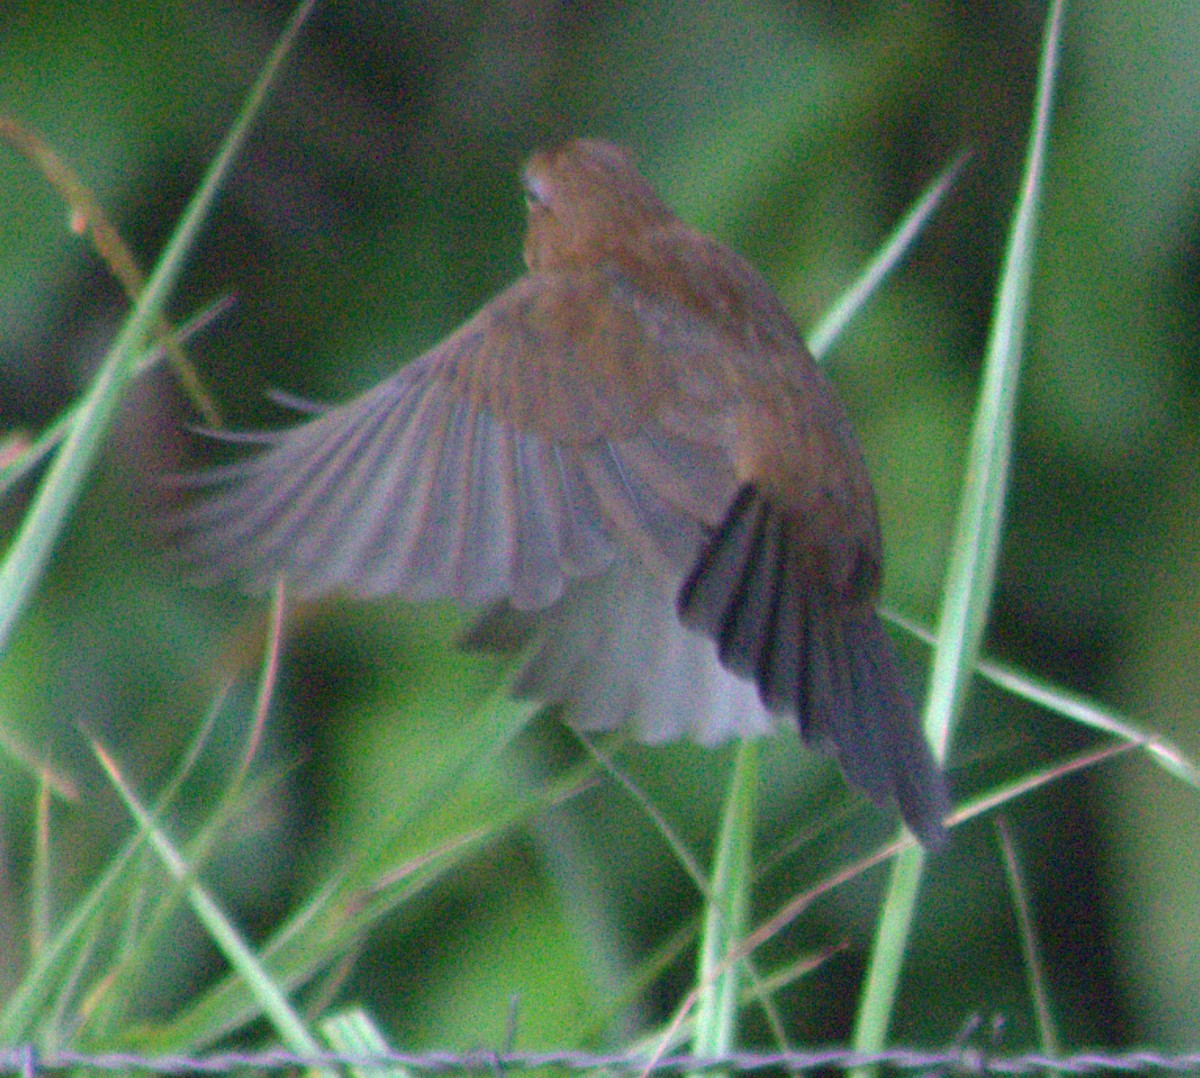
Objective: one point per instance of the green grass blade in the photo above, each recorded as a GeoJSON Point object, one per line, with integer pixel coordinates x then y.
{"type": "Point", "coordinates": [59, 960]}
{"type": "Point", "coordinates": [679, 849]}
{"type": "Point", "coordinates": [23, 463]}
{"type": "Point", "coordinates": [1077, 708]}
{"type": "Point", "coordinates": [271, 998]}
{"type": "Point", "coordinates": [1088, 713]}
{"type": "Point", "coordinates": [854, 299]}
{"type": "Point", "coordinates": [27, 557]}
{"type": "Point", "coordinates": [727, 910]}
{"type": "Point", "coordinates": [1035, 970]}
{"type": "Point", "coordinates": [378, 877]}
{"type": "Point", "coordinates": [352, 1033]}
{"type": "Point", "coordinates": [971, 574]}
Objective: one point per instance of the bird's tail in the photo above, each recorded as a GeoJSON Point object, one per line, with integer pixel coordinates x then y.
{"type": "Point", "coordinates": [768, 600]}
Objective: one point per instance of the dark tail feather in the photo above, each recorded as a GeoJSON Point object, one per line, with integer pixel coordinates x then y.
{"type": "Point", "coordinates": [777, 619]}
{"type": "Point", "coordinates": [903, 766]}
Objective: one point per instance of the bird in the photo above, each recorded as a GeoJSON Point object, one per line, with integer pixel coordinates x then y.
{"type": "Point", "coordinates": [631, 464]}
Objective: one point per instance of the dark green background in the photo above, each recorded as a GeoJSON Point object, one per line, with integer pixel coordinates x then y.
{"type": "Point", "coordinates": [377, 205]}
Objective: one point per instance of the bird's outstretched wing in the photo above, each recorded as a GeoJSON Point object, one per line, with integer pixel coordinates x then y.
{"type": "Point", "coordinates": [522, 452]}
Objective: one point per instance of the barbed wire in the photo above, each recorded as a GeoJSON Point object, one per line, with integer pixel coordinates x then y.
{"type": "Point", "coordinates": [29, 1063]}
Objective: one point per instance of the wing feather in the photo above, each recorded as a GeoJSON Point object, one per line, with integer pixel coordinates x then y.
{"type": "Point", "coordinates": [458, 478]}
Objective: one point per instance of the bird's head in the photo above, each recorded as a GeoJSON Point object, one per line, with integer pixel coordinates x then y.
{"type": "Point", "coordinates": [586, 201]}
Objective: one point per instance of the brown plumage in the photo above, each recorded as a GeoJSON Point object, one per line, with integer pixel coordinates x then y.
{"type": "Point", "coordinates": [629, 453]}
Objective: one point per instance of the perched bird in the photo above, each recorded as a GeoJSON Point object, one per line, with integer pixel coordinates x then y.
{"type": "Point", "coordinates": [628, 456]}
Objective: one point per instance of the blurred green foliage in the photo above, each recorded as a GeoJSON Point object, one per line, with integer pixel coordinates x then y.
{"type": "Point", "coordinates": [375, 207]}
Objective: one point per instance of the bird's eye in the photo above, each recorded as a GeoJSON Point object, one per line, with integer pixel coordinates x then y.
{"type": "Point", "coordinates": [536, 191]}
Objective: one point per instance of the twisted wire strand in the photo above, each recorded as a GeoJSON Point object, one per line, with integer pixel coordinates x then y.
{"type": "Point", "coordinates": [25, 1061]}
